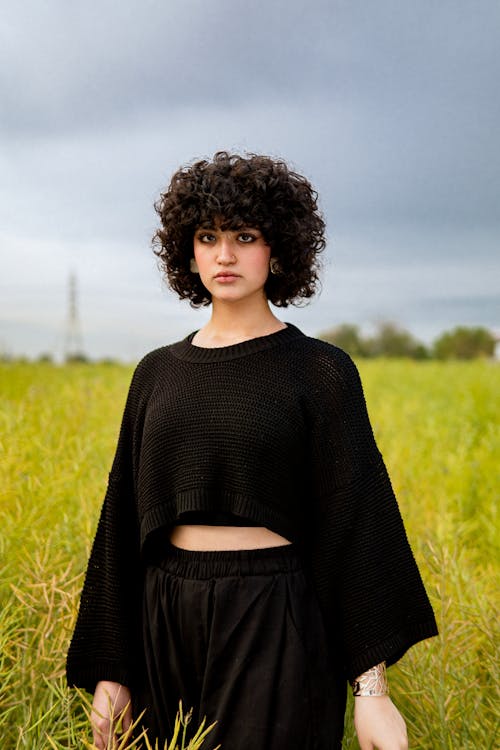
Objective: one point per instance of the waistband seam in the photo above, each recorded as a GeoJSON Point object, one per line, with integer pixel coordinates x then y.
{"type": "Point", "coordinates": [204, 565]}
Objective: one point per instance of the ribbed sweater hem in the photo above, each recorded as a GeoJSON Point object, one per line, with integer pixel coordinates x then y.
{"type": "Point", "coordinates": [167, 513]}
{"type": "Point", "coordinates": [392, 648]}
{"type": "Point", "coordinates": [87, 675]}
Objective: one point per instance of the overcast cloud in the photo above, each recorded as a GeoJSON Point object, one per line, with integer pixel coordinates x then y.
{"type": "Point", "coordinates": [390, 108]}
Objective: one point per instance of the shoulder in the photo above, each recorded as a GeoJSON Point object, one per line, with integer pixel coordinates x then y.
{"type": "Point", "coordinates": [162, 356]}
{"type": "Point", "coordinates": [152, 359]}
{"type": "Point", "coordinates": [147, 364]}
{"type": "Point", "coordinates": [148, 368]}
{"type": "Point", "coordinates": [328, 363]}
{"type": "Point", "coordinates": [331, 379]}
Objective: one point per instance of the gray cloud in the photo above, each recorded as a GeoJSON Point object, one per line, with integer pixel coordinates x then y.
{"type": "Point", "coordinates": [73, 66]}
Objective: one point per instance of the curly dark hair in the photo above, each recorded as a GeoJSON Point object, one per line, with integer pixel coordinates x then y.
{"type": "Point", "coordinates": [251, 191]}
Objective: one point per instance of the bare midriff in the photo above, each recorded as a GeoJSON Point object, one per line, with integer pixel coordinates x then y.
{"type": "Point", "coordinates": [200, 538]}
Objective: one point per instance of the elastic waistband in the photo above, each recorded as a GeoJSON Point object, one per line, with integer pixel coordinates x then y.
{"type": "Point", "coordinates": [216, 564]}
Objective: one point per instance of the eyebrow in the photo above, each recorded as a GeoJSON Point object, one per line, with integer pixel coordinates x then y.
{"type": "Point", "coordinates": [213, 228]}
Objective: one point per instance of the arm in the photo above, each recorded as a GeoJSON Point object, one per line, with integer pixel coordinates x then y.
{"type": "Point", "coordinates": [105, 640]}
{"type": "Point", "coordinates": [367, 580]}
{"type": "Point", "coordinates": [377, 721]}
{"type": "Point", "coordinates": [111, 713]}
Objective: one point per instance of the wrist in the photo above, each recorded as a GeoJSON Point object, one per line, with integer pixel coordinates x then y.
{"type": "Point", "coordinates": [372, 683]}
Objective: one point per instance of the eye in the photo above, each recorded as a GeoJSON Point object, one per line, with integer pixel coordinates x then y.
{"type": "Point", "coordinates": [246, 237]}
{"type": "Point", "coordinates": [205, 237]}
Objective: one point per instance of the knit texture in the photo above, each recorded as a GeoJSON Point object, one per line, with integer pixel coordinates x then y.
{"type": "Point", "coordinates": [274, 429]}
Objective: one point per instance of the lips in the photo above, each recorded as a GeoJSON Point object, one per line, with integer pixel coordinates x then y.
{"type": "Point", "coordinates": [225, 274]}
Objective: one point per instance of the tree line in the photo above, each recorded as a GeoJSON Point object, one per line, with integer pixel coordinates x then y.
{"type": "Point", "coordinates": [390, 340]}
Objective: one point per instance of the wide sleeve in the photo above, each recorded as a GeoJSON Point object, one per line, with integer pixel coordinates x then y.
{"type": "Point", "coordinates": [368, 584]}
{"type": "Point", "coordinates": [105, 642]}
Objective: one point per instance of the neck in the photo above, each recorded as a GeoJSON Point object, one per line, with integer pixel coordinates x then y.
{"type": "Point", "coordinates": [232, 322]}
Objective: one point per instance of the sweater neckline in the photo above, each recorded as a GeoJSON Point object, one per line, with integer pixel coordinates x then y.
{"type": "Point", "coordinates": [191, 353]}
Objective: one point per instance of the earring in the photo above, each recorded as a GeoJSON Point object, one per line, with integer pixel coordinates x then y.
{"type": "Point", "coordinates": [274, 266]}
{"type": "Point", "coordinates": [193, 266]}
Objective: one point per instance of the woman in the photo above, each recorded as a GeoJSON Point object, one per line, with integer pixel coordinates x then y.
{"type": "Point", "coordinates": [250, 556]}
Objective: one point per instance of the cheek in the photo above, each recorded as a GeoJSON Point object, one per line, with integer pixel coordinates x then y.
{"type": "Point", "coordinates": [199, 255]}
{"type": "Point", "coordinates": [261, 259]}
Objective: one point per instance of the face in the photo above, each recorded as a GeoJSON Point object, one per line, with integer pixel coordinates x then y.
{"type": "Point", "coordinates": [233, 264]}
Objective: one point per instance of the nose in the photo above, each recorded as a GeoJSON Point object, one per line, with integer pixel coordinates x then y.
{"type": "Point", "coordinates": [226, 250]}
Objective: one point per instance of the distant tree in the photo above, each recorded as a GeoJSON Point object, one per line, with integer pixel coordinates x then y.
{"type": "Point", "coordinates": [76, 358]}
{"type": "Point", "coordinates": [392, 341]}
{"type": "Point", "coordinates": [108, 361]}
{"type": "Point", "coordinates": [464, 343]}
{"type": "Point", "coordinates": [45, 357]}
{"type": "Point", "coordinates": [348, 338]}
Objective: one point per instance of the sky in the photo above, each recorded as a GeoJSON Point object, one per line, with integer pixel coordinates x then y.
{"type": "Point", "coordinates": [391, 109]}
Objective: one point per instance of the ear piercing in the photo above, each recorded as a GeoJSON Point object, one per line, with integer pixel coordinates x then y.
{"type": "Point", "coordinates": [274, 266]}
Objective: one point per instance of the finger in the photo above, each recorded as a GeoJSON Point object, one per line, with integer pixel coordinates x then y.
{"type": "Point", "coordinates": [127, 722]}
{"type": "Point", "coordinates": [128, 716]}
{"type": "Point", "coordinates": [102, 737]}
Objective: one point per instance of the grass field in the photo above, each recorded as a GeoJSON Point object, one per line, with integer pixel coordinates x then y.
{"type": "Point", "coordinates": [437, 427]}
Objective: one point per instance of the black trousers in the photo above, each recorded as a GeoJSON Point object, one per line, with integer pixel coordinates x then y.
{"type": "Point", "coordinates": [239, 637]}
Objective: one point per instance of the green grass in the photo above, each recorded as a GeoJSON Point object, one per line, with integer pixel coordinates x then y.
{"type": "Point", "coordinates": [437, 426]}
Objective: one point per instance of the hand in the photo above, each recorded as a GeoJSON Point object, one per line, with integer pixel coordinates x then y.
{"type": "Point", "coordinates": [111, 711]}
{"type": "Point", "coordinates": [379, 724]}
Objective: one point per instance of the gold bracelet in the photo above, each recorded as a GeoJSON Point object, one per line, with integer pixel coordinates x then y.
{"type": "Point", "coordinates": [372, 682]}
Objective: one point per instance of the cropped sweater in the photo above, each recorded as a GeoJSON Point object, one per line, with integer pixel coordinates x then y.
{"type": "Point", "coordinates": [274, 429]}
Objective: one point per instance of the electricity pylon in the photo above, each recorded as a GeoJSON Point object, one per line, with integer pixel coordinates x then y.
{"type": "Point", "coordinates": [73, 340]}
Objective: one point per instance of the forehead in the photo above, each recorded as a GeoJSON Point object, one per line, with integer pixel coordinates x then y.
{"type": "Point", "coordinates": [224, 224]}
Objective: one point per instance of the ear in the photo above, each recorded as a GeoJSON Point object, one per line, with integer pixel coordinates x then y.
{"type": "Point", "coordinates": [274, 266]}
{"type": "Point", "coordinates": [193, 266]}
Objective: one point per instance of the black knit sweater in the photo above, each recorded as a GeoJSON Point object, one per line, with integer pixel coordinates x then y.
{"type": "Point", "coordinates": [274, 429]}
